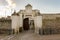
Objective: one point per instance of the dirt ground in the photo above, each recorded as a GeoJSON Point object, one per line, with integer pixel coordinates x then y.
{"type": "Point", "coordinates": [28, 35]}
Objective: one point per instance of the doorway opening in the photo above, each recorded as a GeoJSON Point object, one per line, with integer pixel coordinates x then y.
{"type": "Point", "coordinates": [26, 24]}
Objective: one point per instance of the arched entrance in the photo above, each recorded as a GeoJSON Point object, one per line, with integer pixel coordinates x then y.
{"type": "Point", "coordinates": [26, 24]}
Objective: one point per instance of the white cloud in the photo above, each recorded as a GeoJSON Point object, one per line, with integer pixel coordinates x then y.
{"type": "Point", "coordinates": [7, 9]}
{"type": "Point", "coordinates": [11, 3]}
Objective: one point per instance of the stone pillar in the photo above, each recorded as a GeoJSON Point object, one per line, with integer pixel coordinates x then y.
{"type": "Point", "coordinates": [20, 23]}
{"type": "Point", "coordinates": [15, 23]}
{"type": "Point", "coordinates": [38, 23]}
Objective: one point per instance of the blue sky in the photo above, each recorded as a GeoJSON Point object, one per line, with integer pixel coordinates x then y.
{"type": "Point", "coordinates": [45, 6]}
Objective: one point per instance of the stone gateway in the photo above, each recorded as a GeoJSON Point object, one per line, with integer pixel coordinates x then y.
{"type": "Point", "coordinates": [29, 19]}
{"type": "Point", "coordinates": [26, 19]}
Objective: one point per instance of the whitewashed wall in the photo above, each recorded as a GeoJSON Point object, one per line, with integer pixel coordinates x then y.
{"type": "Point", "coordinates": [20, 21]}
{"type": "Point", "coordinates": [15, 21]}
{"type": "Point", "coordinates": [38, 23]}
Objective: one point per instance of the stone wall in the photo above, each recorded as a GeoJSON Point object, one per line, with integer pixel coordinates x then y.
{"type": "Point", "coordinates": [5, 26]}
{"type": "Point", "coordinates": [51, 26]}
{"type": "Point", "coordinates": [49, 23]}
